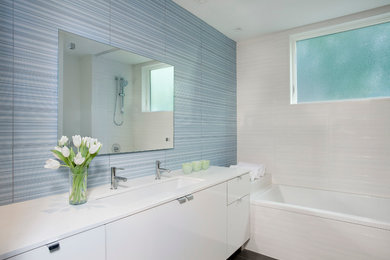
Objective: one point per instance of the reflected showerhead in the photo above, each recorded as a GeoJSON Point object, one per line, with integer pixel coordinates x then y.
{"type": "Point", "coordinates": [123, 82]}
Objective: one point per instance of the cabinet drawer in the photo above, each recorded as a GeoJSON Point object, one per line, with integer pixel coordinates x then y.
{"type": "Point", "coordinates": [238, 224]}
{"type": "Point", "coordinates": [86, 245]}
{"type": "Point", "coordinates": [238, 188]}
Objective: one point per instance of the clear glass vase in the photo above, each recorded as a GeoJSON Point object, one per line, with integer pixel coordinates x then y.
{"type": "Point", "coordinates": [78, 185]}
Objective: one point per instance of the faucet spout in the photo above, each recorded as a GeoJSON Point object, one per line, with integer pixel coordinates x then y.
{"type": "Point", "coordinates": [115, 179]}
{"type": "Point", "coordinates": [159, 170]}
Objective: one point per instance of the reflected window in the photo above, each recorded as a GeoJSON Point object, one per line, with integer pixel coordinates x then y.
{"type": "Point", "coordinates": [158, 88]}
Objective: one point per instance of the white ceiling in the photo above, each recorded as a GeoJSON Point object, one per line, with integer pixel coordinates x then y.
{"type": "Point", "coordinates": [243, 19]}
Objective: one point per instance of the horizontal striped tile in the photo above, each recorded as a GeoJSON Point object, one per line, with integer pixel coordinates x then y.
{"type": "Point", "coordinates": [138, 27]}
{"type": "Point", "coordinates": [188, 80]}
{"type": "Point", "coordinates": [187, 149]}
{"type": "Point", "coordinates": [99, 171]}
{"type": "Point", "coordinates": [31, 180]}
{"type": "Point", "coordinates": [213, 35]}
{"type": "Point", "coordinates": [5, 187]}
{"type": "Point", "coordinates": [182, 14]}
{"type": "Point", "coordinates": [88, 18]}
{"type": "Point", "coordinates": [6, 95]}
{"type": "Point", "coordinates": [205, 86]}
{"type": "Point", "coordinates": [6, 42]}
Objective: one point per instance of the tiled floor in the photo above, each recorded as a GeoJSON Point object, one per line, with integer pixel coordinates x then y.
{"type": "Point", "coordinates": [248, 255]}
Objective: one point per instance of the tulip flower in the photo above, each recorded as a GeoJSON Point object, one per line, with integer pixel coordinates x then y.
{"type": "Point", "coordinates": [52, 164]}
{"type": "Point", "coordinates": [65, 151]}
{"type": "Point", "coordinates": [86, 140]}
{"type": "Point", "coordinates": [76, 140]}
{"type": "Point", "coordinates": [94, 148]}
{"type": "Point", "coordinates": [57, 148]}
{"type": "Point", "coordinates": [79, 159]}
{"type": "Point", "coordinates": [63, 140]}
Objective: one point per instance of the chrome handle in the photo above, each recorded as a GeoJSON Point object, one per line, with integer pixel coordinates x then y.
{"type": "Point", "coordinates": [53, 247]}
{"type": "Point", "coordinates": [182, 200]}
{"type": "Point", "coordinates": [190, 197]}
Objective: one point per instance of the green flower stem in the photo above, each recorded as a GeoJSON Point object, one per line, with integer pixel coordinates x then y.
{"type": "Point", "coordinates": [78, 192]}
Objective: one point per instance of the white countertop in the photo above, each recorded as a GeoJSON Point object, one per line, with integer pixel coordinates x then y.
{"type": "Point", "coordinates": [31, 224]}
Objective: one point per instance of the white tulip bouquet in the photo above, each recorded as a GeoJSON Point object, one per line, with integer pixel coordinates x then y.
{"type": "Point", "coordinates": [87, 148]}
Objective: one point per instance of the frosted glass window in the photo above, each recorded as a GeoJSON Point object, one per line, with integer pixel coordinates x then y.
{"type": "Point", "coordinates": [352, 64]}
{"type": "Point", "coordinates": [161, 89]}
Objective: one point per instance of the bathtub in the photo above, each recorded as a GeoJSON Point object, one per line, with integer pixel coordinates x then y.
{"type": "Point", "coordinates": [290, 223]}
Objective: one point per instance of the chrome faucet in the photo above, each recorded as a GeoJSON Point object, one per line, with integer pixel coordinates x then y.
{"type": "Point", "coordinates": [159, 170]}
{"type": "Point", "coordinates": [115, 179]}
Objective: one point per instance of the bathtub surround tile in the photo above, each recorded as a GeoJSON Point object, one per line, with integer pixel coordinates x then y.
{"type": "Point", "coordinates": [313, 237]}
{"type": "Point", "coordinates": [205, 89]}
{"type": "Point", "coordinates": [342, 146]}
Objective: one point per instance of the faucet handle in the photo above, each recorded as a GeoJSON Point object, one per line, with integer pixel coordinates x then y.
{"type": "Point", "coordinates": [116, 168]}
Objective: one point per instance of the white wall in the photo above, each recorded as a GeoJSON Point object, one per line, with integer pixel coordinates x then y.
{"type": "Point", "coordinates": [71, 93]}
{"type": "Point", "coordinates": [85, 88]}
{"type": "Point", "coordinates": [342, 146]}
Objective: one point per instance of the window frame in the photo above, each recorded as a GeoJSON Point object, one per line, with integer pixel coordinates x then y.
{"type": "Point", "coordinates": [347, 26]}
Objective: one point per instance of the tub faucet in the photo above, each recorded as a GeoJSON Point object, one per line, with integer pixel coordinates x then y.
{"type": "Point", "coordinates": [115, 179]}
{"type": "Point", "coordinates": [159, 170]}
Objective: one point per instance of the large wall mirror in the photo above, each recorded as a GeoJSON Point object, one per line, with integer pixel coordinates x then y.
{"type": "Point", "coordinates": [123, 99]}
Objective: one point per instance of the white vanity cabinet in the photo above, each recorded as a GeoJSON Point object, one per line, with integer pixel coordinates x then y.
{"type": "Point", "coordinates": [192, 227]}
{"type": "Point", "coordinates": [86, 245]}
{"type": "Point", "coordinates": [238, 190]}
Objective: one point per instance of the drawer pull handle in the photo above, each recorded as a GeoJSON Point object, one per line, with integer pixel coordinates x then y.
{"type": "Point", "coordinates": [182, 200]}
{"type": "Point", "coordinates": [54, 247]}
{"type": "Point", "coordinates": [190, 197]}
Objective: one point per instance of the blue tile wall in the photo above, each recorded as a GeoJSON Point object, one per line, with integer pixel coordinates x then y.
{"type": "Point", "coordinates": [6, 101]}
{"type": "Point", "coordinates": [205, 86]}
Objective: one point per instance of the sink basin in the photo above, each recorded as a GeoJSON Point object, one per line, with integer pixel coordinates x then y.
{"type": "Point", "coordinates": [174, 184]}
{"type": "Point", "coordinates": [151, 188]}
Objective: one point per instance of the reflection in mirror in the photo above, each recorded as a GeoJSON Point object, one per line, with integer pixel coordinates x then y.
{"type": "Point", "coordinates": [121, 98]}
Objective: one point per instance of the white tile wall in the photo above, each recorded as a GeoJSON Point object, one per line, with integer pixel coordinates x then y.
{"type": "Point", "coordinates": [342, 146]}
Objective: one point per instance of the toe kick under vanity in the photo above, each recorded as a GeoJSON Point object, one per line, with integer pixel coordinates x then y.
{"type": "Point", "coordinates": [203, 215]}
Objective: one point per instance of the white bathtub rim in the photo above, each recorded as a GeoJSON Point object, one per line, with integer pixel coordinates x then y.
{"type": "Point", "coordinates": [352, 219]}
